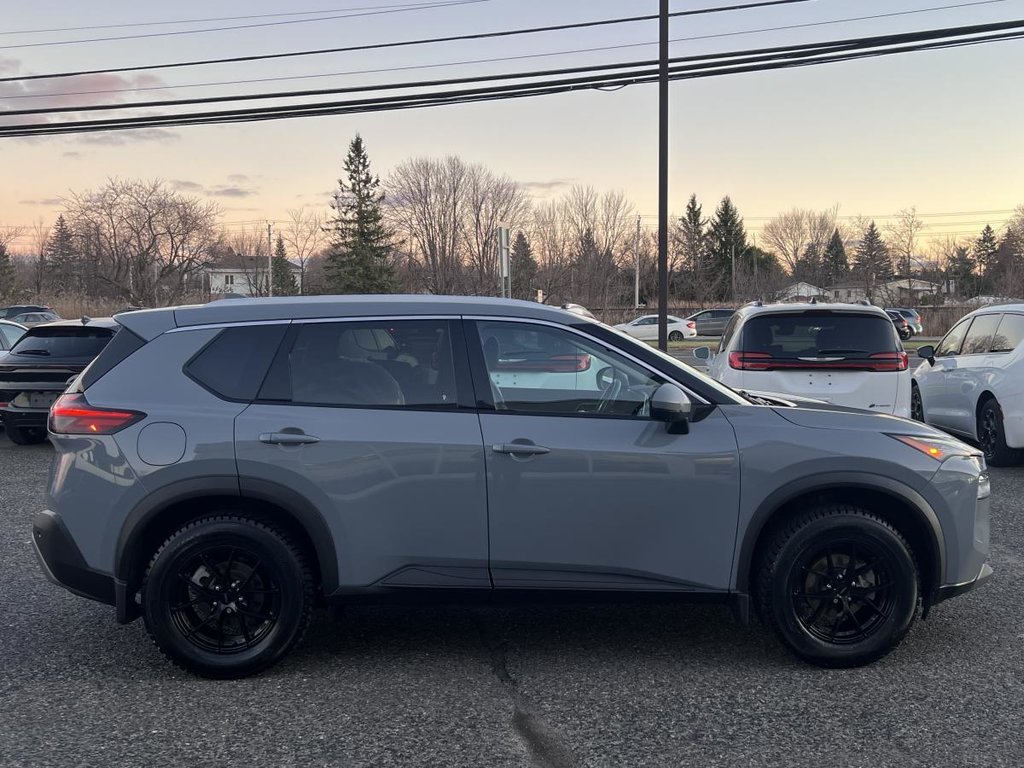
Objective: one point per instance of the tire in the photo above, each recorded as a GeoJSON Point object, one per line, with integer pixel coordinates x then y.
{"type": "Point", "coordinates": [916, 404]}
{"type": "Point", "coordinates": [227, 597]}
{"type": "Point", "coordinates": [675, 336]}
{"type": "Point", "coordinates": [992, 437]}
{"type": "Point", "coordinates": [851, 624]}
{"type": "Point", "coordinates": [27, 435]}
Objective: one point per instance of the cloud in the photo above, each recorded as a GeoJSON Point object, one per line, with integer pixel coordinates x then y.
{"type": "Point", "coordinates": [545, 186]}
{"type": "Point", "coordinates": [185, 186]}
{"type": "Point", "coordinates": [72, 155]}
{"type": "Point", "coordinates": [44, 201]}
{"type": "Point", "coordinates": [226, 191]}
{"type": "Point", "coordinates": [120, 138]}
{"type": "Point", "coordinates": [238, 177]}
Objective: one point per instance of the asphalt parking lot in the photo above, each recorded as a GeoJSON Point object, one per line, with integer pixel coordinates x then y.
{"type": "Point", "coordinates": [547, 686]}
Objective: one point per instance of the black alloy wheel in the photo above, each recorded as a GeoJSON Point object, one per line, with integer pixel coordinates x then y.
{"type": "Point", "coordinates": [916, 404]}
{"type": "Point", "coordinates": [992, 437]}
{"type": "Point", "coordinates": [27, 435]}
{"type": "Point", "coordinates": [227, 596]}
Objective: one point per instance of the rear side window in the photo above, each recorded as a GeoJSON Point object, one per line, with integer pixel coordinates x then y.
{"type": "Point", "coordinates": [980, 334]}
{"type": "Point", "coordinates": [64, 341]}
{"type": "Point", "coordinates": [235, 363]}
{"type": "Point", "coordinates": [819, 334]}
{"type": "Point", "coordinates": [382, 363]}
{"type": "Point", "coordinates": [1009, 334]}
{"type": "Point", "coordinates": [124, 344]}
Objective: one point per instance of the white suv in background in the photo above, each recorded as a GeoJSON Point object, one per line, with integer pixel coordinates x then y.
{"type": "Point", "coordinates": [846, 354]}
{"type": "Point", "coordinates": [972, 383]}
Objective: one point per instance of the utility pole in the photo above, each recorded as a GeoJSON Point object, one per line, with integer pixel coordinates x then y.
{"type": "Point", "coordinates": [636, 254]}
{"type": "Point", "coordinates": [663, 176]}
{"type": "Point", "coordinates": [734, 272]}
{"type": "Point", "coordinates": [270, 264]}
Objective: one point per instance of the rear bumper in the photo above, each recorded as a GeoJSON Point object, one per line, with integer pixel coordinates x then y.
{"type": "Point", "coordinates": [953, 590]}
{"type": "Point", "coordinates": [63, 563]}
{"type": "Point", "coordinates": [23, 417]}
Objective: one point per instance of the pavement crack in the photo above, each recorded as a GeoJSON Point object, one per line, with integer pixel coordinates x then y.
{"type": "Point", "coordinates": [544, 745]}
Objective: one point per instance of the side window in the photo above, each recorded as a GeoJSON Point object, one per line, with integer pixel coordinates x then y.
{"type": "Point", "coordinates": [1009, 334]}
{"type": "Point", "coordinates": [980, 335]}
{"type": "Point", "coordinates": [950, 344]}
{"type": "Point", "coordinates": [383, 363]}
{"type": "Point", "coordinates": [543, 369]}
{"type": "Point", "coordinates": [729, 332]}
{"type": "Point", "coordinates": [235, 363]}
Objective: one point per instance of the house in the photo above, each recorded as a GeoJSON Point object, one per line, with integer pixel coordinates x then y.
{"type": "Point", "coordinates": [243, 275]}
{"type": "Point", "coordinates": [801, 292]}
{"type": "Point", "coordinates": [901, 292]}
{"type": "Point", "coordinates": [848, 293]}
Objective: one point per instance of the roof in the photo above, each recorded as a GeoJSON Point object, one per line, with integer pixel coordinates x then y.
{"type": "Point", "coordinates": [152, 322]}
{"type": "Point", "coordinates": [92, 322]}
{"type": "Point", "coordinates": [766, 309]}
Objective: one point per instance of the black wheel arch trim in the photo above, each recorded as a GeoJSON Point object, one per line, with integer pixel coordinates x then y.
{"type": "Point", "coordinates": [299, 508]}
{"type": "Point", "coordinates": [835, 481]}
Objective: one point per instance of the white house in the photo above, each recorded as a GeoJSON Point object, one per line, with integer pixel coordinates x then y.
{"type": "Point", "coordinates": [801, 292]}
{"type": "Point", "coordinates": [246, 277]}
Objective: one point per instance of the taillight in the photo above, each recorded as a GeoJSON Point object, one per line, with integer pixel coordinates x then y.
{"type": "Point", "coordinates": [569, 363]}
{"type": "Point", "coordinates": [691, 324]}
{"type": "Point", "coordinates": [750, 361]}
{"type": "Point", "coordinates": [72, 415]}
{"type": "Point", "coordinates": [889, 361]}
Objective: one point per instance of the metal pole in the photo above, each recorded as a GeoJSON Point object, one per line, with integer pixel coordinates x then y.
{"type": "Point", "coordinates": [270, 264]}
{"type": "Point", "coordinates": [636, 254]}
{"type": "Point", "coordinates": [663, 177]}
{"type": "Point", "coordinates": [734, 273]}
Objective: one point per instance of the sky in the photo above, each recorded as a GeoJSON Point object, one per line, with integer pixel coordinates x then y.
{"type": "Point", "coordinates": [939, 131]}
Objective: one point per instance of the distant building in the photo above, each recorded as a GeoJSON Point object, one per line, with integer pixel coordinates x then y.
{"type": "Point", "coordinates": [801, 292]}
{"type": "Point", "coordinates": [894, 293]}
{"type": "Point", "coordinates": [849, 293]}
{"type": "Point", "coordinates": [243, 275]}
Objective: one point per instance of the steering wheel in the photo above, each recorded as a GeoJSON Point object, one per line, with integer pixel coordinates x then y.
{"type": "Point", "coordinates": [612, 383]}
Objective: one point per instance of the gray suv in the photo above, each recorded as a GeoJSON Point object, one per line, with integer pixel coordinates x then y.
{"type": "Point", "coordinates": [223, 469]}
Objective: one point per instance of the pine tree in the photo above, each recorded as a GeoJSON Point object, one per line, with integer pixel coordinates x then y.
{"type": "Point", "coordinates": [693, 242]}
{"type": "Point", "coordinates": [872, 259]}
{"type": "Point", "coordinates": [961, 270]}
{"type": "Point", "coordinates": [6, 273]}
{"type": "Point", "coordinates": [62, 258]}
{"type": "Point", "coordinates": [836, 265]}
{"type": "Point", "coordinates": [523, 267]}
{"type": "Point", "coordinates": [727, 240]}
{"type": "Point", "coordinates": [986, 249]}
{"type": "Point", "coordinates": [284, 280]}
{"type": "Point", "coordinates": [358, 257]}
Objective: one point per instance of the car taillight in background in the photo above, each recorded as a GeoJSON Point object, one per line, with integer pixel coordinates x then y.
{"type": "Point", "coordinates": [751, 361]}
{"type": "Point", "coordinates": [72, 415]}
{"type": "Point", "coordinates": [762, 361]}
{"type": "Point", "coordinates": [691, 324]}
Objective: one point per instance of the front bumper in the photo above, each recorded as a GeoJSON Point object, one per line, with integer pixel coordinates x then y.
{"type": "Point", "coordinates": [63, 563]}
{"type": "Point", "coordinates": [952, 590]}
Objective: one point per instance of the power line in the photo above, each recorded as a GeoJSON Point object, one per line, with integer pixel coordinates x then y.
{"type": "Point", "coordinates": [382, 70]}
{"type": "Point", "coordinates": [395, 44]}
{"type": "Point", "coordinates": [751, 58]}
{"type": "Point", "coordinates": [806, 55]}
{"type": "Point", "coordinates": [178, 33]}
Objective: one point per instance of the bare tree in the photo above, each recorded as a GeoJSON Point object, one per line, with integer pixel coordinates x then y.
{"type": "Point", "coordinates": [8, 234]}
{"type": "Point", "coordinates": [40, 239]}
{"type": "Point", "coordinates": [489, 201]}
{"type": "Point", "coordinates": [247, 253]}
{"type": "Point", "coordinates": [305, 236]}
{"type": "Point", "coordinates": [901, 234]}
{"type": "Point", "coordinates": [799, 238]}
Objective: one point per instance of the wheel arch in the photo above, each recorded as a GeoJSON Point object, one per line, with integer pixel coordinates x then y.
{"type": "Point", "coordinates": [901, 506]}
{"type": "Point", "coordinates": [168, 509]}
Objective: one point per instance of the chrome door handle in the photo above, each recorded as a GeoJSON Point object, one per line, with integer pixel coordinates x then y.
{"type": "Point", "coordinates": [287, 438]}
{"type": "Point", "coordinates": [522, 449]}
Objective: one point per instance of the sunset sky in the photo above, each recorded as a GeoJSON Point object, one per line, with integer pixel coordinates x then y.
{"type": "Point", "coordinates": [937, 130]}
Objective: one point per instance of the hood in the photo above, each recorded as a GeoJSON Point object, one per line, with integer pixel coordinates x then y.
{"type": "Point", "coordinates": [838, 417]}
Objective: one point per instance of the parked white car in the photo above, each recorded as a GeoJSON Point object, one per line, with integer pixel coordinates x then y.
{"type": "Point", "coordinates": [646, 328]}
{"type": "Point", "coordinates": [845, 354]}
{"type": "Point", "coordinates": [972, 382]}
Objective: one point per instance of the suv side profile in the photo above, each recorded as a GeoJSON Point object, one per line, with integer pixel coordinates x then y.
{"type": "Point", "coordinates": [222, 469]}
{"type": "Point", "coordinates": [845, 354]}
{"type": "Point", "coordinates": [971, 383]}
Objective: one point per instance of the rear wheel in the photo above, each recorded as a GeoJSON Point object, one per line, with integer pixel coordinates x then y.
{"type": "Point", "coordinates": [675, 336]}
{"type": "Point", "coordinates": [26, 435]}
{"type": "Point", "coordinates": [839, 586]}
{"type": "Point", "coordinates": [916, 404]}
{"type": "Point", "coordinates": [227, 597]}
{"type": "Point", "coordinates": [992, 437]}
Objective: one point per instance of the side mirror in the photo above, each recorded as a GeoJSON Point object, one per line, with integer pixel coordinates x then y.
{"type": "Point", "coordinates": [702, 353]}
{"type": "Point", "coordinates": [671, 405]}
{"type": "Point", "coordinates": [927, 352]}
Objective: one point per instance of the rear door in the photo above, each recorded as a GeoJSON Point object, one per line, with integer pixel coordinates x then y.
{"type": "Point", "coordinates": [843, 357]}
{"type": "Point", "coordinates": [372, 423]}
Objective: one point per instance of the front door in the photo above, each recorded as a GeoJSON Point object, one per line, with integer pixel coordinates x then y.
{"type": "Point", "coordinates": [585, 491]}
{"type": "Point", "coordinates": [931, 377]}
{"type": "Point", "coordinates": [362, 421]}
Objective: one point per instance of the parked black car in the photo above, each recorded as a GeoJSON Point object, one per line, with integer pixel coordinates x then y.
{"type": "Point", "coordinates": [902, 326]}
{"type": "Point", "coordinates": [38, 368]}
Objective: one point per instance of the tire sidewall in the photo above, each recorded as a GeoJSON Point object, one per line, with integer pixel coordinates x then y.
{"type": "Point", "coordinates": [867, 532]}
{"type": "Point", "coordinates": [161, 583]}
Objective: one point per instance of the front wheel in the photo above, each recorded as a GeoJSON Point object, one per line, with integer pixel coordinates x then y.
{"type": "Point", "coordinates": [26, 435]}
{"type": "Point", "coordinates": [992, 437]}
{"type": "Point", "coordinates": [916, 404]}
{"type": "Point", "coordinates": [839, 586]}
{"type": "Point", "coordinates": [227, 597]}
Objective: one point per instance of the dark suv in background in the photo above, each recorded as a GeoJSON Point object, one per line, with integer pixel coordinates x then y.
{"type": "Point", "coordinates": [220, 470]}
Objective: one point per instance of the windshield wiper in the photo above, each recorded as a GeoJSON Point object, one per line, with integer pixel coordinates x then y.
{"type": "Point", "coordinates": [41, 352]}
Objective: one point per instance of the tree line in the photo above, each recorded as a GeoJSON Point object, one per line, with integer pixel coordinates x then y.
{"type": "Point", "coordinates": [431, 226]}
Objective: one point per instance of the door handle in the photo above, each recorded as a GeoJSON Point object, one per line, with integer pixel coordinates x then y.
{"type": "Point", "coordinates": [287, 438]}
{"type": "Point", "coordinates": [522, 449]}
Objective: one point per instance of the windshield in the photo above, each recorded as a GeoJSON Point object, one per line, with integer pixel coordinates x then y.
{"type": "Point", "coordinates": [63, 341]}
{"type": "Point", "coordinates": [628, 341]}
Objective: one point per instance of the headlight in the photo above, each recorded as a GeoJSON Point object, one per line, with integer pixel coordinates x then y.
{"type": "Point", "coordinates": [984, 486]}
{"type": "Point", "coordinates": [938, 448]}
